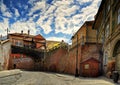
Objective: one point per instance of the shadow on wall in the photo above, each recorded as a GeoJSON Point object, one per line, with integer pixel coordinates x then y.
{"type": "Point", "coordinates": [52, 68]}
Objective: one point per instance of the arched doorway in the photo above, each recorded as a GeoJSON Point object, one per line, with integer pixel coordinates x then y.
{"type": "Point", "coordinates": [116, 54]}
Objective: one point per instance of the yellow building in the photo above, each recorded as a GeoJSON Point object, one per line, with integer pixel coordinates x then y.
{"type": "Point", "coordinates": [84, 34]}
{"type": "Point", "coordinates": [107, 23]}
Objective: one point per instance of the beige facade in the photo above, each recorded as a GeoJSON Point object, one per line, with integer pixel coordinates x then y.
{"type": "Point", "coordinates": [84, 34]}
{"type": "Point", "coordinates": [5, 50]}
{"type": "Point", "coordinates": [107, 23]}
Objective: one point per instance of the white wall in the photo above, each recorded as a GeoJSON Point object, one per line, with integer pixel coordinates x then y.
{"type": "Point", "coordinates": [5, 50]}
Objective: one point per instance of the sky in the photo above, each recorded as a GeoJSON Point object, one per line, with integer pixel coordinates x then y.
{"type": "Point", "coordinates": [55, 20]}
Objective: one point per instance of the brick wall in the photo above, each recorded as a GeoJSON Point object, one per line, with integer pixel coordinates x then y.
{"type": "Point", "coordinates": [90, 50]}
{"type": "Point", "coordinates": [64, 61]}
{"type": "Point", "coordinates": [53, 59]}
{"type": "Point", "coordinates": [20, 61]}
{"type": "Point", "coordinates": [61, 60]}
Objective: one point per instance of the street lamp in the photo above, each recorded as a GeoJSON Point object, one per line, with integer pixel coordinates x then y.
{"type": "Point", "coordinates": [76, 71]}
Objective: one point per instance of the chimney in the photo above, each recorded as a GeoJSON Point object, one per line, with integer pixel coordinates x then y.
{"type": "Point", "coordinates": [21, 31]}
{"type": "Point", "coordinates": [28, 32]}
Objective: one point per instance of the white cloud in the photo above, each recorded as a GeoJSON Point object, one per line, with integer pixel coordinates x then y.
{"type": "Point", "coordinates": [45, 24]}
{"type": "Point", "coordinates": [88, 13]}
{"type": "Point", "coordinates": [7, 14]}
{"type": "Point", "coordinates": [37, 6]}
{"type": "Point", "coordinates": [3, 26]}
{"type": "Point", "coordinates": [5, 11]}
{"type": "Point", "coordinates": [84, 1]}
{"type": "Point", "coordinates": [61, 9]}
{"type": "Point", "coordinates": [25, 26]}
{"type": "Point", "coordinates": [31, 1]}
{"type": "Point", "coordinates": [16, 12]}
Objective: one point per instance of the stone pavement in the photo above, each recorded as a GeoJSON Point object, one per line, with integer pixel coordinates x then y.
{"type": "Point", "coordinates": [8, 77]}
{"type": "Point", "coordinates": [43, 78]}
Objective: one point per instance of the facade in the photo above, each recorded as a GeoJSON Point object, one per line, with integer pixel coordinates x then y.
{"type": "Point", "coordinates": [84, 46]}
{"type": "Point", "coordinates": [5, 50]}
{"type": "Point", "coordinates": [107, 24]}
{"type": "Point", "coordinates": [84, 34]}
{"type": "Point", "coordinates": [27, 50]}
{"type": "Point", "coordinates": [27, 40]}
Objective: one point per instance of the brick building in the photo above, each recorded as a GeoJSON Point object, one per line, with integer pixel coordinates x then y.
{"type": "Point", "coordinates": [27, 40]}
{"type": "Point", "coordinates": [107, 24]}
{"type": "Point", "coordinates": [84, 34]}
{"type": "Point", "coordinates": [84, 46]}
{"type": "Point", "coordinates": [26, 49]}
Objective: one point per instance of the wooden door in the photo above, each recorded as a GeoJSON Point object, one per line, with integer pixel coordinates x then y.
{"type": "Point", "coordinates": [94, 69]}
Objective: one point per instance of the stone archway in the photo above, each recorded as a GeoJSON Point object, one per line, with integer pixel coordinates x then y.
{"type": "Point", "coordinates": [116, 54]}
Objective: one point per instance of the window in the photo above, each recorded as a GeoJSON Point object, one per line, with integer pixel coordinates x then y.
{"type": "Point", "coordinates": [119, 15]}
{"type": "Point", "coordinates": [18, 43]}
{"type": "Point", "coordinates": [86, 66]}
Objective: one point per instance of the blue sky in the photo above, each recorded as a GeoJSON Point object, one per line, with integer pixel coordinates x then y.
{"type": "Point", "coordinates": [53, 19]}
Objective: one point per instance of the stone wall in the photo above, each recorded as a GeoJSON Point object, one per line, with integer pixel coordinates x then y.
{"type": "Point", "coordinates": [108, 57]}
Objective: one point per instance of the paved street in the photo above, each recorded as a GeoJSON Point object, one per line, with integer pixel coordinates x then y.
{"type": "Point", "coordinates": [42, 78]}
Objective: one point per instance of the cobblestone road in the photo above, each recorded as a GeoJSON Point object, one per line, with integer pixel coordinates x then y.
{"type": "Point", "coordinates": [42, 78]}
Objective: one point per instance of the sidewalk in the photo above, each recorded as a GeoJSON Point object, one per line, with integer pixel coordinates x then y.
{"type": "Point", "coordinates": [103, 78]}
{"type": "Point", "coordinates": [7, 77]}
{"type": "Point", "coordinates": [110, 80]}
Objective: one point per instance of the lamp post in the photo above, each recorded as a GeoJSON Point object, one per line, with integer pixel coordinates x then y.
{"type": "Point", "coordinates": [76, 71]}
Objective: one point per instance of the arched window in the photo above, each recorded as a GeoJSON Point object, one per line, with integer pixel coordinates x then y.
{"type": "Point", "coordinates": [116, 50]}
